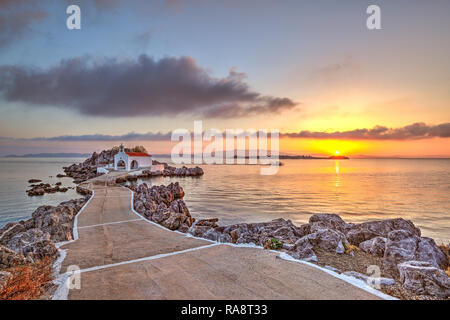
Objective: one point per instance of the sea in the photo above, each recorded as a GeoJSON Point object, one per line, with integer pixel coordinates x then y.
{"type": "Point", "coordinates": [357, 189]}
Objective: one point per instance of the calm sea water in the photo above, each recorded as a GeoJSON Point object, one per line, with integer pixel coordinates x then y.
{"type": "Point", "coordinates": [358, 190]}
{"type": "Point", "coordinates": [15, 204]}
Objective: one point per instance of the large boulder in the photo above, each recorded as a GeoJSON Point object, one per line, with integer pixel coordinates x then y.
{"type": "Point", "coordinates": [375, 246]}
{"type": "Point", "coordinates": [303, 250]}
{"type": "Point", "coordinates": [208, 222]}
{"type": "Point", "coordinates": [163, 205]}
{"type": "Point", "coordinates": [83, 191]}
{"type": "Point", "coordinates": [32, 243]}
{"type": "Point", "coordinates": [403, 246]}
{"type": "Point", "coordinates": [326, 221]}
{"type": "Point", "coordinates": [282, 230]}
{"type": "Point", "coordinates": [9, 258]}
{"type": "Point", "coordinates": [58, 221]}
{"type": "Point", "coordinates": [424, 278]}
{"type": "Point", "coordinates": [10, 230]}
{"type": "Point", "coordinates": [429, 251]}
{"type": "Point", "coordinates": [358, 233]}
{"type": "Point", "coordinates": [327, 239]}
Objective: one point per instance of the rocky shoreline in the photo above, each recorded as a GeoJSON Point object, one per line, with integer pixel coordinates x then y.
{"type": "Point", "coordinates": [168, 171]}
{"type": "Point", "coordinates": [43, 188]}
{"type": "Point", "coordinates": [415, 266]}
{"type": "Point", "coordinates": [30, 245]}
{"type": "Point", "coordinates": [88, 169]}
{"type": "Point", "coordinates": [409, 266]}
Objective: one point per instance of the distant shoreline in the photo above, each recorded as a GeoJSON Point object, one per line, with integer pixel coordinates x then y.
{"type": "Point", "coordinates": [50, 155]}
{"type": "Point", "coordinates": [281, 157]}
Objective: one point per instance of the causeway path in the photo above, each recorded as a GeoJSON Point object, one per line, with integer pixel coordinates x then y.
{"type": "Point", "coordinates": [123, 256]}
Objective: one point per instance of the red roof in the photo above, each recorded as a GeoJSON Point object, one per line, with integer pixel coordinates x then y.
{"type": "Point", "coordinates": [138, 154]}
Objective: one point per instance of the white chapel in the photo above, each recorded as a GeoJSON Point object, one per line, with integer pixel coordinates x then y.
{"type": "Point", "coordinates": [131, 160]}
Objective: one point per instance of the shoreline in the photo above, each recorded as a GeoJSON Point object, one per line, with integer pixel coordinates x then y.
{"type": "Point", "coordinates": [283, 253]}
{"type": "Point", "coordinates": [315, 250]}
{"type": "Point", "coordinates": [322, 241]}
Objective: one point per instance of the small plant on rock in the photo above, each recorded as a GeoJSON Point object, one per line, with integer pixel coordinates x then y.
{"type": "Point", "coordinates": [350, 248]}
{"type": "Point", "coordinates": [273, 244]}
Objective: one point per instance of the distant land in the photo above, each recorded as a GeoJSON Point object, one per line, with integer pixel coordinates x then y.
{"type": "Point", "coordinates": [283, 157]}
{"type": "Point", "coordinates": [50, 155]}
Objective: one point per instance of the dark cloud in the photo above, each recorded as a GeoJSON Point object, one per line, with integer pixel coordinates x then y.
{"type": "Point", "coordinates": [16, 18]}
{"type": "Point", "coordinates": [268, 105]}
{"type": "Point", "coordinates": [411, 132]}
{"type": "Point", "coordinates": [132, 136]}
{"type": "Point", "coordinates": [112, 88]}
{"type": "Point", "coordinates": [415, 131]}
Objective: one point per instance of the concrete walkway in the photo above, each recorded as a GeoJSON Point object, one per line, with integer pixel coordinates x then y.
{"type": "Point", "coordinates": [122, 256]}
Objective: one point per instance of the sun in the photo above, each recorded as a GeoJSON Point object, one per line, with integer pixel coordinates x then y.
{"type": "Point", "coordinates": [337, 152]}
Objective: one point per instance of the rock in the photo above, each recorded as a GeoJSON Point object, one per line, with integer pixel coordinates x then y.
{"type": "Point", "coordinates": [57, 221]}
{"type": "Point", "coordinates": [34, 180]}
{"type": "Point", "coordinates": [10, 230]}
{"type": "Point", "coordinates": [121, 180]}
{"type": "Point", "coordinates": [33, 241]}
{"type": "Point", "coordinates": [404, 246]}
{"type": "Point", "coordinates": [163, 205]}
{"type": "Point", "coordinates": [183, 228]}
{"type": "Point", "coordinates": [208, 222]}
{"type": "Point", "coordinates": [326, 221]}
{"type": "Point", "coordinates": [5, 277]}
{"type": "Point", "coordinates": [199, 231]}
{"type": "Point", "coordinates": [88, 169]}
{"type": "Point", "coordinates": [288, 246]}
{"type": "Point", "coordinates": [375, 246]}
{"type": "Point", "coordinates": [59, 175]}
{"type": "Point", "coordinates": [36, 192]}
{"type": "Point", "coordinates": [424, 278]}
{"type": "Point", "coordinates": [304, 250]}
{"type": "Point", "coordinates": [131, 177]}
{"type": "Point", "coordinates": [429, 251]}
{"type": "Point", "coordinates": [83, 191]}
{"type": "Point", "coordinates": [211, 234]}
{"type": "Point", "coordinates": [9, 258]}
{"type": "Point", "coordinates": [326, 239]}
{"type": "Point", "coordinates": [170, 171]}
{"type": "Point", "coordinates": [368, 230]}
{"type": "Point", "coordinates": [42, 188]}
{"type": "Point", "coordinates": [372, 281]}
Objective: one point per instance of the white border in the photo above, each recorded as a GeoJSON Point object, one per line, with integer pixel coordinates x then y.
{"type": "Point", "coordinates": [62, 290]}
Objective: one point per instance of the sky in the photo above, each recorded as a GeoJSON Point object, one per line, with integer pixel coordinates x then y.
{"type": "Point", "coordinates": [137, 70]}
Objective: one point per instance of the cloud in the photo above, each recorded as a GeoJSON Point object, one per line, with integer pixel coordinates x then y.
{"type": "Point", "coordinates": [17, 17]}
{"type": "Point", "coordinates": [411, 132]}
{"type": "Point", "coordinates": [415, 131]}
{"type": "Point", "coordinates": [132, 136]}
{"type": "Point", "coordinates": [143, 39]}
{"type": "Point", "coordinates": [345, 69]}
{"type": "Point", "coordinates": [131, 88]}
